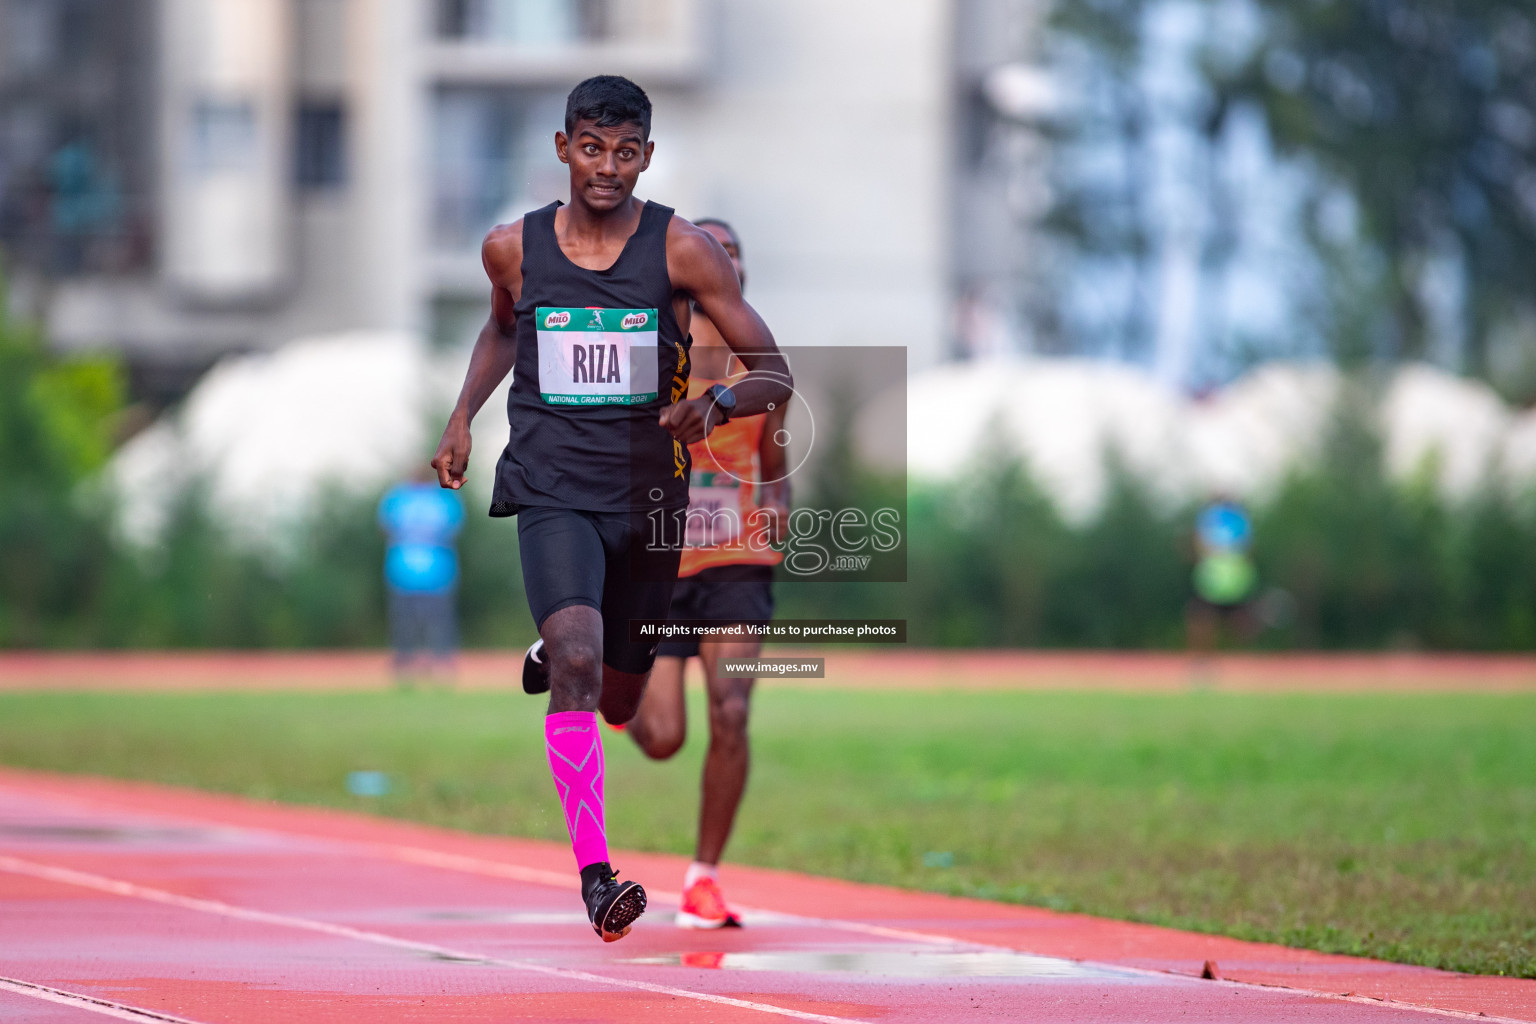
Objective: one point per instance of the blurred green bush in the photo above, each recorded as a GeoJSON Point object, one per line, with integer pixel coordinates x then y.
{"type": "Point", "coordinates": [57, 423]}
{"type": "Point", "coordinates": [1347, 559]}
{"type": "Point", "coordinates": [1351, 559]}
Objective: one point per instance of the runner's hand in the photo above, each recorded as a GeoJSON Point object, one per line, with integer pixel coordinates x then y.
{"type": "Point", "coordinates": [452, 457]}
{"type": "Point", "coordinates": [690, 420]}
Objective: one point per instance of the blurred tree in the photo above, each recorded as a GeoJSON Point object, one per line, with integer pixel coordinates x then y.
{"type": "Point", "coordinates": [57, 426]}
{"type": "Point", "coordinates": [1356, 552]}
{"type": "Point", "coordinates": [1102, 207]}
{"type": "Point", "coordinates": [1125, 578]}
{"type": "Point", "coordinates": [1425, 112]}
{"type": "Point", "coordinates": [57, 416]}
{"type": "Point", "coordinates": [1407, 136]}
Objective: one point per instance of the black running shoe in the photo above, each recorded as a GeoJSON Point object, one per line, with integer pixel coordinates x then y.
{"type": "Point", "coordinates": [535, 669]}
{"type": "Point", "coordinates": [612, 905]}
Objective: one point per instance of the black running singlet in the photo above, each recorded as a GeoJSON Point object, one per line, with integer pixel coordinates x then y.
{"type": "Point", "coordinates": [599, 355]}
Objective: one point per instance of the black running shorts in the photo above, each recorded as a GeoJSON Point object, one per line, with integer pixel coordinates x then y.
{"type": "Point", "coordinates": [726, 593]}
{"type": "Point", "coordinates": [603, 560]}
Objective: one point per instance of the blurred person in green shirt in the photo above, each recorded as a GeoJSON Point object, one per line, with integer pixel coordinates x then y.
{"type": "Point", "coordinates": [1224, 579]}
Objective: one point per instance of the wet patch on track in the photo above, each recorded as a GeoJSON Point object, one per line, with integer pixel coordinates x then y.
{"type": "Point", "coordinates": [917, 963]}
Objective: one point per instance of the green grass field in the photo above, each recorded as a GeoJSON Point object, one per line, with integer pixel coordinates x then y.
{"type": "Point", "coordinates": [1401, 827]}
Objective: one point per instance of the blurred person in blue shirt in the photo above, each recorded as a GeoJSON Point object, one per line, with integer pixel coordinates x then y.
{"type": "Point", "coordinates": [421, 568]}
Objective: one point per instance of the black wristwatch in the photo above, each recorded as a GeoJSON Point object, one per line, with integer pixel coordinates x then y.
{"type": "Point", "coordinates": [724, 399]}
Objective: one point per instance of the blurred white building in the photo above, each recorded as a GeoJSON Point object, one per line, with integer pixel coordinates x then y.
{"type": "Point", "coordinates": [1068, 418]}
{"type": "Point", "coordinates": [269, 432]}
{"type": "Point", "coordinates": [181, 179]}
{"type": "Point", "coordinates": [1003, 101]}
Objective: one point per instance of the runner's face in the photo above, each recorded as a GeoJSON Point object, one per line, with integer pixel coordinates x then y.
{"type": "Point", "coordinates": [605, 162]}
{"type": "Point", "coordinates": [724, 238]}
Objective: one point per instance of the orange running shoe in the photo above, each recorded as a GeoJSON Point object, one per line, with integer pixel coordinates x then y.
{"type": "Point", "coordinates": [704, 907]}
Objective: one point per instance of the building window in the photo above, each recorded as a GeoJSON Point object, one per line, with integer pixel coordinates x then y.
{"type": "Point", "coordinates": [30, 36]}
{"type": "Point", "coordinates": [493, 156]}
{"type": "Point", "coordinates": [77, 141]}
{"type": "Point", "coordinates": [320, 148]}
{"type": "Point", "coordinates": [454, 18]}
{"type": "Point", "coordinates": [223, 136]}
{"type": "Point", "coordinates": [526, 22]}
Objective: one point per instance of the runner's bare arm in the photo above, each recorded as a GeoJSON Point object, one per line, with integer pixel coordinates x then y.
{"type": "Point", "coordinates": [700, 268]}
{"type": "Point", "coordinates": [494, 353]}
{"type": "Point", "coordinates": [773, 470]}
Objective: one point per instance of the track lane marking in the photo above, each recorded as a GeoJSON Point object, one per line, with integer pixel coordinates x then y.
{"type": "Point", "coordinates": [538, 876]}
{"type": "Point", "coordinates": [117, 887]}
{"type": "Point", "coordinates": [105, 1007]}
{"type": "Point", "coordinates": [501, 869]}
{"type": "Point", "coordinates": [426, 857]}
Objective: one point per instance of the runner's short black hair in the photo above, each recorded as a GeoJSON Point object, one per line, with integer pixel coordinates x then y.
{"type": "Point", "coordinates": [608, 101]}
{"type": "Point", "coordinates": [735, 238]}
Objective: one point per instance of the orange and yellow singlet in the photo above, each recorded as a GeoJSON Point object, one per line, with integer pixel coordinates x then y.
{"type": "Point", "coordinates": [722, 495]}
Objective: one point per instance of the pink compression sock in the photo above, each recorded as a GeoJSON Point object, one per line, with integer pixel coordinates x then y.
{"type": "Point", "coordinates": [575, 751]}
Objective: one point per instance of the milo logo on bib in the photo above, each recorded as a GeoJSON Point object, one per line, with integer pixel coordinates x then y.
{"type": "Point", "coordinates": [597, 356]}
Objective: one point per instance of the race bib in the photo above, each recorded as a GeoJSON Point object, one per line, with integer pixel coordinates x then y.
{"type": "Point", "coordinates": [597, 356]}
{"type": "Point", "coordinates": [714, 511]}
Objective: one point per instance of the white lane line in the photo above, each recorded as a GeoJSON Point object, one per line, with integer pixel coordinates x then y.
{"type": "Point", "coordinates": [539, 876]}
{"type": "Point", "coordinates": [105, 1007]}
{"type": "Point", "coordinates": [500, 869]}
{"type": "Point", "coordinates": [100, 883]}
{"type": "Point", "coordinates": [478, 866]}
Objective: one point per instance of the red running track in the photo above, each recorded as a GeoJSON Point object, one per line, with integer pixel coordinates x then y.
{"type": "Point", "coordinates": [134, 902]}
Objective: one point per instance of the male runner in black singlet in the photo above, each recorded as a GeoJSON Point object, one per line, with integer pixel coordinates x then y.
{"type": "Point", "coordinates": [590, 304]}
